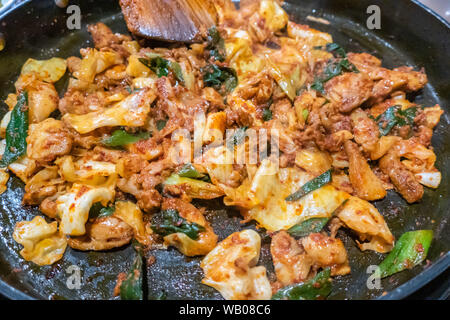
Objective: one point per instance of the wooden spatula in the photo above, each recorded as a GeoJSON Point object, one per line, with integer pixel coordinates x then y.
{"type": "Point", "coordinates": [169, 20]}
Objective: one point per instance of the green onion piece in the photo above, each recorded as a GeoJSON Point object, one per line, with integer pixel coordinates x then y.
{"type": "Point", "coordinates": [304, 228]}
{"type": "Point", "coordinates": [409, 251]}
{"type": "Point", "coordinates": [311, 185]}
{"type": "Point", "coordinates": [121, 138]}
{"type": "Point", "coordinates": [189, 171]}
{"type": "Point", "coordinates": [174, 223]}
{"type": "Point", "coordinates": [317, 288]}
{"type": "Point", "coordinates": [132, 287]}
{"type": "Point", "coordinates": [16, 131]}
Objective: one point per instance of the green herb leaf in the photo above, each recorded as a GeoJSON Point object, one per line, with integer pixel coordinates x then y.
{"type": "Point", "coordinates": [395, 116]}
{"type": "Point", "coordinates": [336, 49]}
{"type": "Point", "coordinates": [162, 67]}
{"type": "Point", "coordinates": [189, 171]}
{"type": "Point", "coordinates": [160, 124]}
{"type": "Point", "coordinates": [317, 288]}
{"type": "Point", "coordinates": [132, 287]}
{"type": "Point", "coordinates": [16, 131]}
{"type": "Point", "coordinates": [312, 225]}
{"type": "Point", "coordinates": [121, 138]}
{"type": "Point", "coordinates": [222, 79]}
{"type": "Point", "coordinates": [173, 223]}
{"type": "Point", "coordinates": [267, 114]}
{"type": "Point", "coordinates": [311, 185]}
{"type": "Point", "coordinates": [409, 251]}
{"type": "Point", "coordinates": [216, 44]}
{"type": "Point", "coordinates": [99, 211]}
{"type": "Point", "coordinates": [334, 68]}
{"type": "Point", "coordinates": [237, 138]}
{"type": "Point", "coordinates": [407, 116]}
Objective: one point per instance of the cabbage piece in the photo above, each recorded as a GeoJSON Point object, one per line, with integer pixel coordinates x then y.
{"type": "Point", "coordinates": [23, 168]}
{"type": "Point", "coordinates": [131, 112]}
{"type": "Point", "coordinates": [95, 62]}
{"type": "Point", "coordinates": [194, 188]}
{"type": "Point", "coordinates": [275, 17]}
{"type": "Point", "coordinates": [50, 70]}
{"type": "Point", "coordinates": [130, 213]}
{"type": "Point", "coordinates": [364, 218]}
{"type": "Point", "coordinates": [429, 179]}
{"type": "Point", "coordinates": [42, 244]}
{"type": "Point", "coordinates": [85, 170]}
{"type": "Point", "coordinates": [264, 196]}
{"type": "Point", "coordinates": [73, 207]}
{"type": "Point", "coordinates": [231, 268]}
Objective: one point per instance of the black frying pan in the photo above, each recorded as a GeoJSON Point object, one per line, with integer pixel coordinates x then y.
{"type": "Point", "coordinates": [411, 34]}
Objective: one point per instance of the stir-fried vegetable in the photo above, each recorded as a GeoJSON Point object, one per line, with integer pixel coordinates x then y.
{"type": "Point", "coordinates": [222, 79]}
{"type": "Point", "coordinates": [306, 227]}
{"type": "Point", "coordinates": [333, 48]}
{"type": "Point", "coordinates": [132, 287]}
{"type": "Point", "coordinates": [267, 114]}
{"type": "Point", "coordinates": [160, 124]}
{"type": "Point", "coordinates": [311, 185]}
{"type": "Point", "coordinates": [99, 211]}
{"type": "Point", "coordinates": [333, 69]}
{"type": "Point", "coordinates": [161, 67]}
{"type": "Point", "coordinates": [216, 44]}
{"type": "Point", "coordinates": [409, 251]}
{"type": "Point", "coordinates": [395, 116]}
{"type": "Point", "coordinates": [121, 138]}
{"type": "Point", "coordinates": [189, 171]}
{"type": "Point", "coordinates": [237, 138]}
{"type": "Point", "coordinates": [16, 131]}
{"type": "Point", "coordinates": [317, 288]}
{"type": "Point", "coordinates": [173, 223]}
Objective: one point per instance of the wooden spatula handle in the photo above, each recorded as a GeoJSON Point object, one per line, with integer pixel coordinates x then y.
{"type": "Point", "coordinates": [169, 20]}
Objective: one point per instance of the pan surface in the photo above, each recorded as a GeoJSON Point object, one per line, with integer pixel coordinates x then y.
{"type": "Point", "coordinates": [410, 35]}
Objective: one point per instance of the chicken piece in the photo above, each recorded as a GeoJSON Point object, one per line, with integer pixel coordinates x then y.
{"type": "Point", "coordinates": [43, 184]}
{"type": "Point", "coordinates": [291, 263]}
{"type": "Point", "coordinates": [207, 239]}
{"type": "Point", "coordinates": [349, 90]}
{"type": "Point", "coordinates": [47, 140]}
{"type": "Point", "coordinates": [365, 130]}
{"type": "Point", "coordinates": [387, 81]}
{"type": "Point", "coordinates": [103, 36]}
{"type": "Point", "coordinates": [403, 179]}
{"type": "Point", "coordinates": [325, 252]}
{"type": "Point", "coordinates": [103, 234]}
{"type": "Point", "coordinates": [364, 62]}
{"type": "Point", "coordinates": [365, 183]}
{"type": "Point", "coordinates": [296, 260]}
